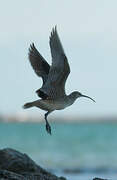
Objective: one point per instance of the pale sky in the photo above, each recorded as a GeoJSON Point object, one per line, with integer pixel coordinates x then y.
{"type": "Point", "coordinates": [88, 32]}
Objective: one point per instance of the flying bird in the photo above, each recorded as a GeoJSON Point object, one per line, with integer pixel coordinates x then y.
{"type": "Point", "coordinates": [52, 93]}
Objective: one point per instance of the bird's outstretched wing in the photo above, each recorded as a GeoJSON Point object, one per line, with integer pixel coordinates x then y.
{"type": "Point", "coordinates": [39, 64]}
{"type": "Point", "coordinates": [59, 71]}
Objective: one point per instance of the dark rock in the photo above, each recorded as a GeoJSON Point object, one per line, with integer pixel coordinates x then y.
{"type": "Point", "coordinates": [74, 171]}
{"type": "Point", "coordinates": [8, 175]}
{"type": "Point", "coordinates": [18, 166]}
{"type": "Point", "coordinates": [99, 179]}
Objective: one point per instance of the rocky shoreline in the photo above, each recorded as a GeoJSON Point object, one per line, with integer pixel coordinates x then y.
{"type": "Point", "coordinates": [15, 165]}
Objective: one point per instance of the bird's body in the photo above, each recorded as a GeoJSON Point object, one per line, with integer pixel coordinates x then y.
{"type": "Point", "coordinates": [51, 105]}
{"type": "Point", "coordinates": [52, 93]}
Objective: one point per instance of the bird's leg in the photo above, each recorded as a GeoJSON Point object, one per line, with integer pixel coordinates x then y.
{"type": "Point", "coordinates": [48, 127]}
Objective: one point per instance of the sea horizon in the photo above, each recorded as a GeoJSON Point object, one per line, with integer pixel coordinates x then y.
{"type": "Point", "coordinates": [22, 117]}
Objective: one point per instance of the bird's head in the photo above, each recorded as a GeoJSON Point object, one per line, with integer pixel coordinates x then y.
{"type": "Point", "coordinates": [74, 95]}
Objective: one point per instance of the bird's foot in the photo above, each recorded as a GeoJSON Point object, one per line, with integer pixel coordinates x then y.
{"type": "Point", "coordinates": [48, 128]}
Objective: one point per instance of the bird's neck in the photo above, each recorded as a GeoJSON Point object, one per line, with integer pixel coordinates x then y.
{"type": "Point", "coordinates": [71, 99]}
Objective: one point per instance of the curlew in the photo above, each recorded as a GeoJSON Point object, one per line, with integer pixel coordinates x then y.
{"type": "Point", "coordinates": [52, 93]}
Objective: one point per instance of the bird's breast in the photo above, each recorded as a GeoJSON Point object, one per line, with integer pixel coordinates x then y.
{"type": "Point", "coordinates": [54, 104]}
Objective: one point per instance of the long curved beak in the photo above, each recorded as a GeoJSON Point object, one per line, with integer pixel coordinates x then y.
{"type": "Point", "coordinates": [88, 97]}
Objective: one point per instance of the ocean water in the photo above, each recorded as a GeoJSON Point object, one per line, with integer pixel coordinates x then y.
{"type": "Point", "coordinates": [79, 151]}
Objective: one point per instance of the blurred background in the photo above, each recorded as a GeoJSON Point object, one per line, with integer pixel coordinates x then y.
{"type": "Point", "coordinates": [83, 142]}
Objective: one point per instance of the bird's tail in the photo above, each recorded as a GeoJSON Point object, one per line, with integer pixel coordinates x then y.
{"type": "Point", "coordinates": [28, 105]}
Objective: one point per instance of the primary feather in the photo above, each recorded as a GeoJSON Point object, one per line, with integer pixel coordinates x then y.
{"type": "Point", "coordinates": [54, 87]}
{"type": "Point", "coordinates": [39, 64]}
